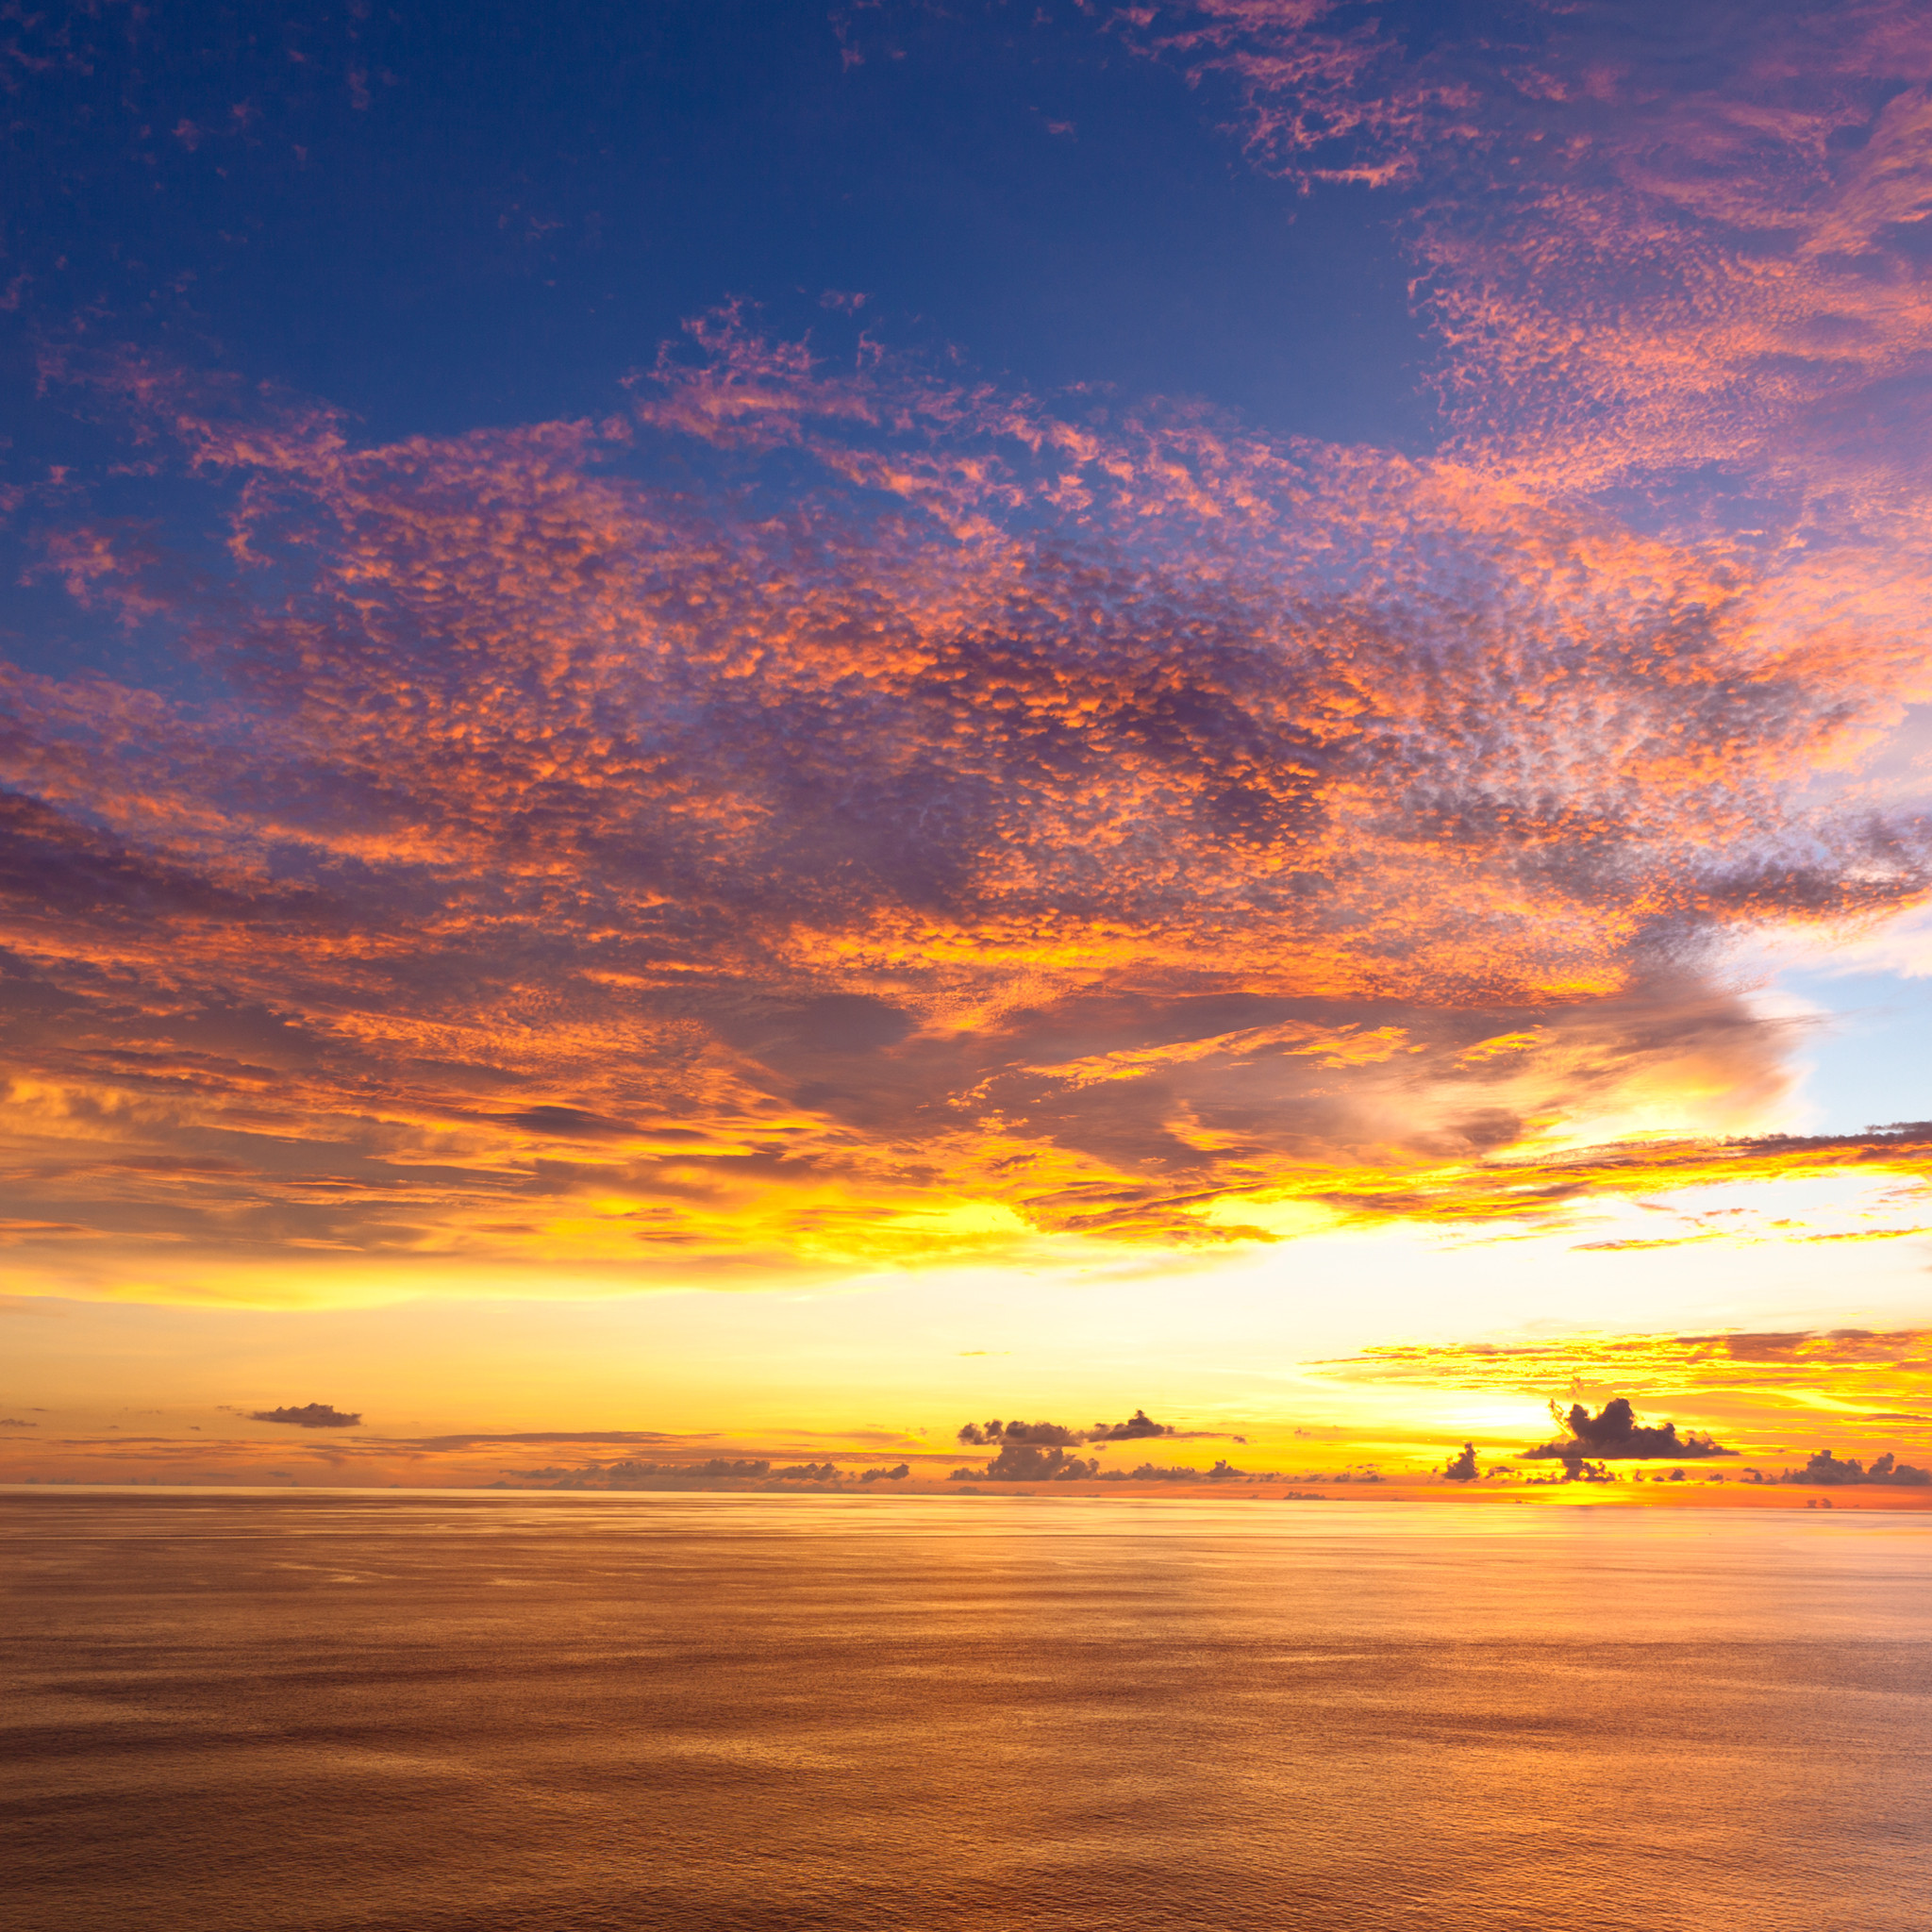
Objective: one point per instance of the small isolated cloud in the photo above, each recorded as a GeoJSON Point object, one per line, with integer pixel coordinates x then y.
{"type": "Point", "coordinates": [16, 1422]}
{"type": "Point", "coordinates": [1461, 1466]}
{"type": "Point", "coordinates": [311, 1415]}
{"type": "Point", "coordinates": [1615, 1435]}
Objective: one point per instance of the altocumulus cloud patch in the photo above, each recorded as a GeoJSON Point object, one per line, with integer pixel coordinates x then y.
{"type": "Point", "coordinates": [823, 813]}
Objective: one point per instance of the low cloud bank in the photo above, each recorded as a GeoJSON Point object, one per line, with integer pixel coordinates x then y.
{"type": "Point", "coordinates": [1040, 1452]}
{"type": "Point", "coordinates": [1025, 1463]}
{"type": "Point", "coordinates": [1139, 1427]}
{"type": "Point", "coordinates": [633, 1474]}
{"type": "Point", "coordinates": [1021, 1462]}
{"type": "Point", "coordinates": [1222, 1471]}
{"type": "Point", "coordinates": [1825, 1467]}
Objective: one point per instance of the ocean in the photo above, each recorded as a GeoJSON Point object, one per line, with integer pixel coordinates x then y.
{"type": "Point", "coordinates": [230, 1712]}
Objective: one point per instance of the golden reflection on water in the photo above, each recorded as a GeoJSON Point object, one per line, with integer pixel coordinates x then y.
{"type": "Point", "coordinates": [335, 1711]}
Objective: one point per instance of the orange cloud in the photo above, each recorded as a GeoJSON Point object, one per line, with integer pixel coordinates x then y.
{"type": "Point", "coordinates": [914, 825]}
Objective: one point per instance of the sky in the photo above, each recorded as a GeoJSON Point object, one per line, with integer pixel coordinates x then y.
{"type": "Point", "coordinates": [738, 734]}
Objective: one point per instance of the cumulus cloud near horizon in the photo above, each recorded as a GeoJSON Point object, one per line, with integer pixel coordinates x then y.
{"type": "Point", "coordinates": [1139, 1427]}
{"type": "Point", "coordinates": [1615, 1435]}
{"type": "Point", "coordinates": [1758, 1393]}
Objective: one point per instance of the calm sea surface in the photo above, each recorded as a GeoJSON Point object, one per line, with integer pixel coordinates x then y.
{"type": "Point", "coordinates": [337, 1711]}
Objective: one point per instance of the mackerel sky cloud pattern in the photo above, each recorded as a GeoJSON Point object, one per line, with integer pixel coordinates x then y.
{"type": "Point", "coordinates": [831, 810]}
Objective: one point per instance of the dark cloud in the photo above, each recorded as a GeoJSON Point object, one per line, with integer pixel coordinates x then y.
{"type": "Point", "coordinates": [714, 1472]}
{"type": "Point", "coordinates": [707, 1472]}
{"type": "Point", "coordinates": [1886, 1471]}
{"type": "Point", "coordinates": [1461, 1467]}
{"type": "Point", "coordinates": [1615, 1435]}
{"type": "Point", "coordinates": [1039, 1452]}
{"type": "Point", "coordinates": [1577, 1469]}
{"type": "Point", "coordinates": [1222, 1471]}
{"type": "Point", "coordinates": [631, 1474]}
{"type": "Point", "coordinates": [1139, 1427]}
{"type": "Point", "coordinates": [1043, 1434]}
{"type": "Point", "coordinates": [1025, 1463]}
{"type": "Point", "coordinates": [72, 871]}
{"type": "Point", "coordinates": [311, 1415]}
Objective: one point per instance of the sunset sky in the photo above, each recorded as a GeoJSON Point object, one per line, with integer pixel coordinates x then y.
{"type": "Point", "coordinates": [733, 731]}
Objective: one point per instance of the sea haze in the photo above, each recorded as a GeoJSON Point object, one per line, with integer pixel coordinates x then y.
{"type": "Point", "coordinates": [336, 1710]}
